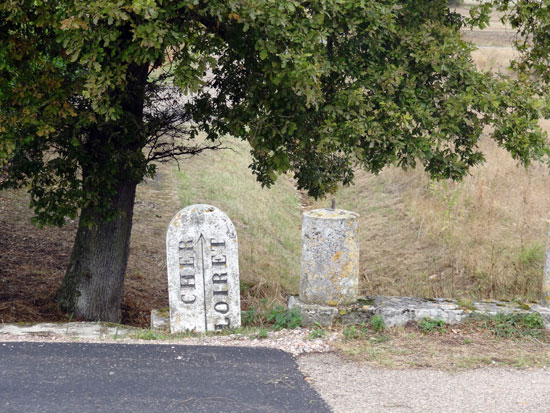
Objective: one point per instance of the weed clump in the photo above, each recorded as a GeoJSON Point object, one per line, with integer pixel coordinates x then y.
{"type": "Point", "coordinates": [430, 325]}
{"type": "Point", "coordinates": [360, 331]}
{"type": "Point", "coordinates": [284, 318]}
{"type": "Point", "coordinates": [317, 332]}
{"type": "Point", "coordinates": [251, 317]}
{"type": "Point", "coordinates": [352, 332]}
{"type": "Point", "coordinates": [512, 325]}
{"type": "Point", "coordinates": [377, 323]}
{"type": "Point", "coordinates": [149, 335]}
{"type": "Point", "coordinates": [466, 304]}
{"type": "Point", "coordinates": [277, 315]}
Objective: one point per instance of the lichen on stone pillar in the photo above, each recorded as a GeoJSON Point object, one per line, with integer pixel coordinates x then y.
{"type": "Point", "coordinates": [330, 257]}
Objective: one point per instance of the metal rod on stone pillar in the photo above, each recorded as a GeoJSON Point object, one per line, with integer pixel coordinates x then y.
{"type": "Point", "coordinates": [546, 273]}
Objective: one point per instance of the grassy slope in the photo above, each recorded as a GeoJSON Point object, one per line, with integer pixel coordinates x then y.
{"type": "Point", "coordinates": [481, 238]}
{"type": "Point", "coordinates": [267, 220]}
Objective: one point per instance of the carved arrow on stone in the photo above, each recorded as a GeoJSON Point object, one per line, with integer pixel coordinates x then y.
{"type": "Point", "coordinates": [201, 241]}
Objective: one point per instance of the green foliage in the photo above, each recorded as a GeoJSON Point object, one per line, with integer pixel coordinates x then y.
{"type": "Point", "coordinates": [281, 317]}
{"type": "Point", "coordinates": [352, 332]}
{"type": "Point", "coordinates": [91, 93]}
{"type": "Point", "coordinates": [251, 317]}
{"type": "Point", "coordinates": [513, 325]}
{"type": "Point", "coordinates": [262, 333]}
{"type": "Point", "coordinates": [277, 315]}
{"type": "Point", "coordinates": [317, 332]}
{"type": "Point", "coordinates": [531, 20]}
{"type": "Point", "coordinates": [430, 325]}
{"type": "Point", "coordinates": [531, 255]}
{"type": "Point", "coordinates": [377, 323]}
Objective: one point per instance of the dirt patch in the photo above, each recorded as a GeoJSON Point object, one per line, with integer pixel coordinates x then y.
{"type": "Point", "coordinates": [33, 261]}
{"type": "Point", "coordinates": [490, 38]}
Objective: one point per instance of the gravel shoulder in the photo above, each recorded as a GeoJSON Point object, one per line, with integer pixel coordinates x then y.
{"type": "Point", "coordinates": [353, 387]}
{"type": "Point", "coordinates": [295, 341]}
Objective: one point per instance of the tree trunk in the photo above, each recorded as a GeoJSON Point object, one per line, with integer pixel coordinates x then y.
{"type": "Point", "coordinates": [92, 287]}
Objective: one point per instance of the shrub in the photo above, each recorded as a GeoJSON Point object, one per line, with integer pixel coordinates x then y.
{"type": "Point", "coordinates": [513, 325]}
{"type": "Point", "coordinates": [317, 332]}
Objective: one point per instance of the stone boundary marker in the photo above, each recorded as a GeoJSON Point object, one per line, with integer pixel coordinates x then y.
{"type": "Point", "coordinates": [203, 270]}
{"type": "Point", "coordinates": [330, 257]}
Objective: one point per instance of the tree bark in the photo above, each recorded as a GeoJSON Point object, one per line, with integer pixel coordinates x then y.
{"type": "Point", "coordinates": [92, 287]}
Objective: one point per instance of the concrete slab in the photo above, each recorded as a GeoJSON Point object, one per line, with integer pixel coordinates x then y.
{"type": "Point", "coordinates": [397, 311]}
{"type": "Point", "coordinates": [84, 330]}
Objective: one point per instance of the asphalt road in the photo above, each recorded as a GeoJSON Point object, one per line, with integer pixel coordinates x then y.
{"type": "Point", "coordinates": [79, 377]}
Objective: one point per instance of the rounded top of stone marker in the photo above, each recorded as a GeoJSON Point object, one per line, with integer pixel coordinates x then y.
{"type": "Point", "coordinates": [200, 208]}
{"type": "Point", "coordinates": [327, 213]}
{"type": "Point", "coordinates": [199, 215]}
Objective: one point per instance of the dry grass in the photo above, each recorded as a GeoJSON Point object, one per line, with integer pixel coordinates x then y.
{"type": "Point", "coordinates": [33, 261]}
{"type": "Point", "coordinates": [496, 59]}
{"type": "Point", "coordinates": [495, 44]}
{"type": "Point", "coordinates": [461, 347]}
{"type": "Point", "coordinates": [492, 225]}
{"type": "Point", "coordinates": [480, 238]}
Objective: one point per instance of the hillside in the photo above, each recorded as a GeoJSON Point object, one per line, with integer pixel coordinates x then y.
{"type": "Point", "coordinates": [480, 238]}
